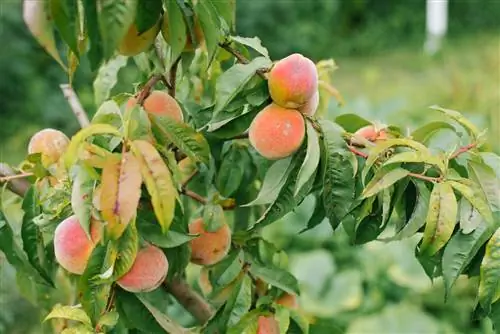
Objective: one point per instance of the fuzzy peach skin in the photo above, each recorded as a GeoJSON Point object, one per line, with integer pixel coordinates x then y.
{"type": "Point", "coordinates": [288, 300]}
{"type": "Point", "coordinates": [277, 132]}
{"type": "Point", "coordinates": [293, 81]}
{"type": "Point", "coordinates": [371, 133]}
{"type": "Point", "coordinates": [311, 105]}
{"type": "Point", "coordinates": [133, 43]}
{"type": "Point", "coordinates": [50, 143]}
{"type": "Point", "coordinates": [149, 270]}
{"type": "Point", "coordinates": [160, 104]}
{"type": "Point", "coordinates": [209, 247]}
{"type": "Point", "coordinates": [267, 325]}
{"type": "Point", "coordinates": [72, 247]}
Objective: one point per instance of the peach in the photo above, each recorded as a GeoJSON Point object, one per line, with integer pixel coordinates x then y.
{"type": "Point", "coordinates": [288, 300]}
{"type": "Point", "coordinates": [198, 33]}
{"type": "Point", "coordinates": [72, 247]}
{"type": "Point", "coordinates": [161, 104]}
{"type": "Point", "coordinates": [149, 270]}
{"type": "Point", "coordinates": [293, 81]}
{"type": "Point", "coordinates": [209, 247]}
{"type": "Point", "coordinates": [134, 43]}
{"type": "Point", "coordinates": [50, 143]}
{"type": "Point", "coordinates": [310, 107]}
{"type": "Point", "coordinates": [372, 133]}
{"type": "Point", "coordinates": [277, 132]}
{"type": "Point", "coordinates": [267, 325]}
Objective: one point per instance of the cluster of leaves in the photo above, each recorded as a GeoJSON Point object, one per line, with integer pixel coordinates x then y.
{"type": "Point", "coordinates": [123, 169]}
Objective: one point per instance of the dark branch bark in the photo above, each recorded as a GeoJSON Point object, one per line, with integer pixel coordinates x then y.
{"type": "Point", "coordinates": [173, 77]}
{"type": "Point", "coordinates": [18, 186]}
{"type": "Point", "coordinates": [190, 300]}
{"type": "Point", "coordinates": [148, 86]}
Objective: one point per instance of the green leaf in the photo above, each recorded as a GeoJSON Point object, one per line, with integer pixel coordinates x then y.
{"type": "Point", "coordinates": [241, 300]}
{"type": "Point", "coordinates": [232, 170]}
{"type": "Point", "coordinates": [210, 24]}
{"type": "Point", "coordinates": [108, 113]}
{"type": "Point", "coordinates": [158, 181]}
{"type": "Point", "coordinates": [135, 314]}
{"type": "Point", "coordinates": [441, 218]}
{"type": "Point", "coordinates": [163, 320]}
{"type": "Point", "coordinates": [67, 22]}
{"type": "Point", "coordinates": [311, 161]}
{"type": "Point", "coordinates": [471, 129]}
{"type": "Point", "coordinates": [418, 216]}
{"type": "Point", "coordinates": [247, 324]}
{"type": "Point", "coordinates": [473, 195]}
{"type": "Point", "coordinates": [226, 10]}
{"type": "Point", "coordinates": [470, 218]}
{"type": "Point", "coordinates": [273, 182]}
{"type": "Point", "coordinates": [489, 278]}
{"type": "Point", "coordinates": [254, 43]}
{"type": "Point", "coordinates": [233, 125]}
{"type": "Point", "coordinates": [81, 197]}
{"type": "Point", "coordinates": [351, 122]}
{"type": "Point", "coordinates": [318, 215]}
{"type": "Point", "coordinates": [91, 23]}
{"type": "Point", "coordinates": [171, 239]}
{"type": "Point", "coordinates": [412, 156]}
{"type": "Point", "coordinates": [228, 269]}
{"type": "Point", "coordinates": [94, 294]}
{"type": "Point", "coordinates": [148, 14]}
{"type": "Point", "coordinates": [460, 250]}
{"type": "Point", "coordinates": [71, 153]}
{"type": "Point", "coordinates": [184, 137]}
{"type": "Point", "coordinates": [383, 179]}
{"type": "Point", "coordinates": [300, 321]}
{"type": "Point", "coordinates": [488, 181]}
{"type": "Point", "coordinates": [424, 133]}
{"type": "Point", "coordinates": [115, 18]}
{"type": "Point", "coordinates": [108, 320]}
{"type": "Point", "coordinates": [107, 77]}
{"type": "Point", "coordinates": [282, 316]}
{"type": "Point", "coordinates": [37, 17]}
{"type": "Point", "coordinates": [232, 81]}
{"type": "Point", "coordinates": [277, 277]}
{"type": "Point", "coordinates": [75, 313]}
{"type": "Point", "coordinates": [127, 247]}
{"type": "Point", "coordinates": [137, 124]}
{"type": "Point", "coordinates": [176, 28]}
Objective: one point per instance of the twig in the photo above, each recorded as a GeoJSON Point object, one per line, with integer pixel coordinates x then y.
{"type": "Point", "coordinates": [190, 300]}
{"type": "Point", "coordinates": [358, 152]}
{"type": "Point", "coordinates": [75, 105]}
{"type": "Point", "coordinates": [189, 178]}
{"type": "Point", "coordinates": [18, 186]}
{"type": "Point", "coordinates": [241, 58]}
{"type": "Point", "coordinates": [173, 77]}
{"type": "Point", "coordinates": [193, 195]}
{"type": "Point", "coordinates": [463, 150]}
{"type": "Point", "coordinates": [240, 136]}
{"type": "Point", "coordinates": [425, 178]}
{"type": "Point", "coordinates": [148, 86]}
{"type": "Point", "coordinates": [13, 177]}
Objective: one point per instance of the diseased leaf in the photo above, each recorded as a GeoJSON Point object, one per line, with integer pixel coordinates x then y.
{"type": "Point", "coordinates": [441, 218]}
{"type": "Point", "coordinates": [254, 42]}
{"type": "Point", "coordinates": [470, 218]}
{"type": "Point", "coordinates": [489, 278]}
{"type": "Point", "coordinates": [36, 15]}
{"type": "Point", "coordinates": [488, 182]}
{"type": "Point", "coordinates": [107, 77]}
{"type": "Point", "coordinates": [75, 313]}
{"type": "Point", "coordinates": [81, 197]}
{"type": "Point", "coordinates": [311, 161]}
{"type": "Point", "coordinates": [158, 181]}
{"type": "Point", "coordinates": [383, 179]}
{"type": "Point", "coordinates": [474, 196]}
{"type": "Point", "coordinates": [273, 182]}
{"type": "Point", "coordinates": [67, 22]}
{"type": "Point", "coordinates": [232, 81]}
{"type": "Point", "coordinates": [127, 247]}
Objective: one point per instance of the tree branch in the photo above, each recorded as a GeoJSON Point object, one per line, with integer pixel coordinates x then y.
{"type": "Point", "coordinates": [75, 105]}
{"type": "Point", "coordinates": [463, 150]}
{"type": "Point", "coordinates": [148, 86]}
{"type": "Point", "coordinates": [190, 300]}
{"type": "Point", "coordinates": [241, 58]}
{"type": "Point", "coordinates": [18, 186]}
{"type": "Point", "coordinates": [173, 77]}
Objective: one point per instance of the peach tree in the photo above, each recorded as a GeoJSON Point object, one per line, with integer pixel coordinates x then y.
{"type": "Point", "coordinates": [217, 142]}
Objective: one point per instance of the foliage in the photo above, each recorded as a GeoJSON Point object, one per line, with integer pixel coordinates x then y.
{"type": "Point", "coordinates": [123, 171]}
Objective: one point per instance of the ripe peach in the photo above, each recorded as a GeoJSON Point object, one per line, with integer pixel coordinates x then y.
{"type": "Point", "coordinates": [310, 107]}
{"type": "Point", "coordinates": [149, 270]}
{"type": "Point", "coordinates": [267, 325]}
{"type": "Point", "coordinates": [288, 300]}
{"type": "Point", "coordinates": [134, 43]}
{"type": "Point", "coordinates": [161, 104]}
{"type": "Point", "coordinates": [293, 81]}
{"type": "Point", "coordinates": [209, 247]}
{"type": "Point", "coordinates": [277, 132]}
{"type": "Point", "coordinates": [198, 33]}
{"type": "Point", "coordinates": [50, 143]}
{"type": "Point", "coordinates": [72, 247]}
{"type": "Point", "coordinates": [371, 133]}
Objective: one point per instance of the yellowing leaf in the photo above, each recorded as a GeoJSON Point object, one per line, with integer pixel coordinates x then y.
{"type": "Point", "coordinates": [75, 313]}
{"type": "Point", "coordinates": [36, 15]}
{"type": "Point", "coordinates": [121, 190]}
{"type": "Point", "coordinates": [489, 279]}
{"type": "Point", "coordinates": [158, 180]}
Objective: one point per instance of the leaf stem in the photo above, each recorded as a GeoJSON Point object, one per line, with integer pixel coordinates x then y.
{"type": "Point", "coordinates": [463, 149]}
{"type": "Point", "coordinates": [241, 58]}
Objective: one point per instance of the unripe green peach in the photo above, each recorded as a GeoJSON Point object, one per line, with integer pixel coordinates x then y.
{"type": "Point", "coordinates": [134, 43]}
{"type": "Point", "coordinates": [293, 81]}
{"type": "Point", "coordinates": [160, 104]}
{"type": "Point", "coordinates": [72, 247]}
{"type": "Point", "coordinates": [198, 33]}
{"type": "Point", "coordinates": [149, 270]}
{"type": "Point", "coordinates": [277, 132]}
{"type": "Point", "coordinates": [50, 143]}
{"type": "Point", "coordinates": [267, 325]}
{"type": "Point", "coordinates": [288, 300]}
{"type": "Point", "coordinates": [310, 107]}
{"type": "Point", "coordinates": [209, 247]}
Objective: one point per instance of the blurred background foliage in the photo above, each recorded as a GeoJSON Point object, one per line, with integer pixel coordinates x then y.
{"type": "Point", "coordinates": [383, 75]}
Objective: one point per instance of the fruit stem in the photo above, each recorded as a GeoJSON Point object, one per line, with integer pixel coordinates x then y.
{"type": "Point", "coordinates": [241, 58]}
{"type": "Point", "coordinates": [463, 149]}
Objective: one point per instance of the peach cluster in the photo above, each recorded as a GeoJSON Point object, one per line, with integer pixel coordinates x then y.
{"type": "Point", "coordinates": [279, 129]}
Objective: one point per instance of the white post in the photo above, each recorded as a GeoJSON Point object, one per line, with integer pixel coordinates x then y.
{"type": "Point", "coordinates": [437, 24]}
